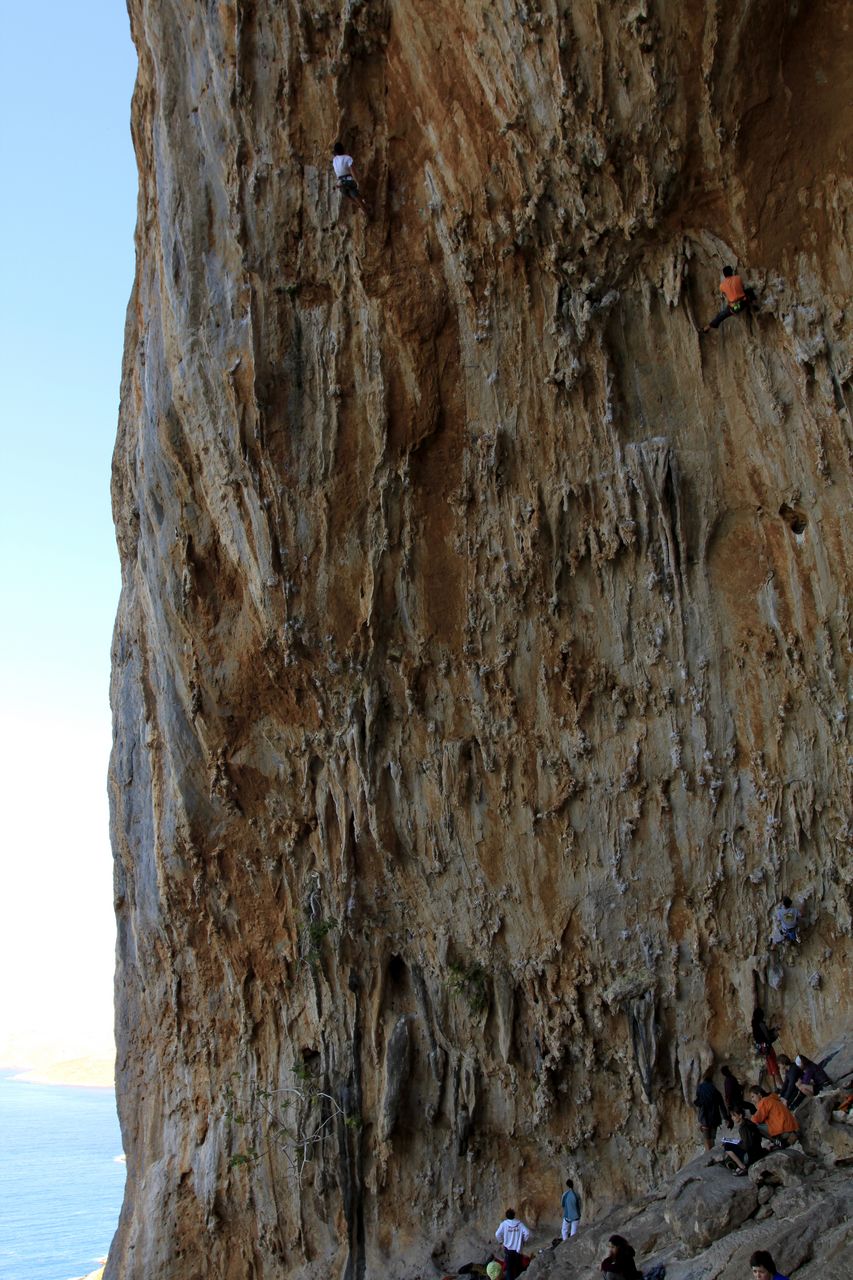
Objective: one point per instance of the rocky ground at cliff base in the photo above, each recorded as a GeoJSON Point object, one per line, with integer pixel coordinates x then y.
{"type": "Point", "coordinates": [704, 1223]}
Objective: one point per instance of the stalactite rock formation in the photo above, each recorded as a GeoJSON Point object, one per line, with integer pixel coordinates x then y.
{"type": "Point", "coordinates": [481, 668]}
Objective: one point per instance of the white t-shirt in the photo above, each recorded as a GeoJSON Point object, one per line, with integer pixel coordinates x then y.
{"type": "Point", "coordinates": [342, 166]}
{"type": "Point", "coordinates": [512, 1234]}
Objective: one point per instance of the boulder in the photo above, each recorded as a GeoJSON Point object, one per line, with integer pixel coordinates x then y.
{"type": "Point", "coordinates": [786, 1168]}
{"type": "Point", "coordinates": [708, 1203]}
{"type": "Point", "coordinates": [820, 1136]}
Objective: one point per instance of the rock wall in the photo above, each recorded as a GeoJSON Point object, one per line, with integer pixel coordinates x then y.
{"type": "Point", "coordinates": [480, 673]}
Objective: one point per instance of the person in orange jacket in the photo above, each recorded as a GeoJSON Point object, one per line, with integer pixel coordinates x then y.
{"type": "Point", "coordinates": [732, 289]}
{"type": "Point", "coordinates": [773, 1117]}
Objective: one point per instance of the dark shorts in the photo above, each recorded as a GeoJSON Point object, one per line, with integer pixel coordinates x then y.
{"type": "Point", "coordinates": [349, 187]}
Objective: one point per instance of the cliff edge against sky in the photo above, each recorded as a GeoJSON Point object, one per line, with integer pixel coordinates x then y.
{"type": "Point", "coordinates": [481, 670]}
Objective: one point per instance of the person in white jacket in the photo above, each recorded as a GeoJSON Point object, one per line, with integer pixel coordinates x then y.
{"type": "Point", "coordinates": [512, 1234]}
{"type": "Point", "coordinates": [342, 165]}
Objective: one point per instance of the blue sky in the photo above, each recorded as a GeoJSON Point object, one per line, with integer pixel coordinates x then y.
{"type": "Point", "coordinates": [66, 237]}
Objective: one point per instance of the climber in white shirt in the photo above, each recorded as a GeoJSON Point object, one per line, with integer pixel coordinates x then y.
{"type": "Point", "coordinates": [512, 1234]}
{"type": "Point", "coordinates": [342, 165]}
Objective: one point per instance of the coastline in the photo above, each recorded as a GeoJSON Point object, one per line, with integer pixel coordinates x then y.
{"type": "Point", "coordinates": [71, 1073]}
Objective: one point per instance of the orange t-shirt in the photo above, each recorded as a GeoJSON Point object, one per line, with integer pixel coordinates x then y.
{"type": "Point", "coordinates": [731, 287]}
{"type": "Point", "coordinates": [773, 1112]}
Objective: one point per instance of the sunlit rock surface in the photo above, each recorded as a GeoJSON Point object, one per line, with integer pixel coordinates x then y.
{"type": "Point", "coordinates": [480, 673]}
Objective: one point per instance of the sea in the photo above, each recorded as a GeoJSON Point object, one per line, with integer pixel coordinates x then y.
{"type": "Point", "coordinates": [61, 1179]}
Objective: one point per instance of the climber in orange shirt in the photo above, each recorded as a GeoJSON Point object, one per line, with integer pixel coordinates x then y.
{"type": "Point", "coordinates": [732, 289]}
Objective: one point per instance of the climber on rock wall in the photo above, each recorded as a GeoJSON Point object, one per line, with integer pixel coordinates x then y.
{"type": "Point", "coordinates": [732, 289]}
{"type": "Point", "coordinates": [764, 1037]}
{"type": "Point", "coordinates": [786, 923]}
{"type": "Point", "coordinates": [342, 165]}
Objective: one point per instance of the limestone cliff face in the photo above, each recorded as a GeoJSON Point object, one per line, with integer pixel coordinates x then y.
{"type": "Point", "coordinates": [480, 671]}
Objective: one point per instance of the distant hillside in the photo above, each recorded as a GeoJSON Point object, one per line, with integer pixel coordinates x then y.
{"type": "Point", "coordinates": [93, 1073]}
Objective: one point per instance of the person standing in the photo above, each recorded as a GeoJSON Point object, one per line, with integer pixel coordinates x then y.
{"type": "Point", "coordinates": [733, 1092]}
{"type": "Point", "coordinates": [571, 1210]}
{"type": "Point", "coordinates": [512, 1234]}
{"type": "Point", "coordinates": [763, 1266]}
{"type": "Point", "coordinates": [711, 1108]}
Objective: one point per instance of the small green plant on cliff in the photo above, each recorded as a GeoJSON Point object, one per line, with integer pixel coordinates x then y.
{"type": "Point", "coordinates": [315, 930]}
{"type": "Point", "coordinates": [471, 983]}
{"type": "Point", "coordinates": [294, 1120]}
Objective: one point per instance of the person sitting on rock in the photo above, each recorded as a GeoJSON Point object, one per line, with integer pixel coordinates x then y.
{"type": "Point", "coordinates": [788, 1093]}
{"type": "Point", "coordinates": [763, 1266]}
{"type": "Point", "coordinates": [786, 924]}
{"type": "Point", "coordinates": [732, 289]}
{"type": "Point", "coordinates": [342, 165]}
{"type": "Point", "coordinates": [512, 1234]}
{"type": "Point", "coordinates": [711, 1108]}
{"type": "Point", "coordinates": [773, 1118]}
{"type": "Point", "coordinates": [813, 1077]}
{"type": "Point", "coordinates": [619, 1263]}
{"type": "Point", "coordinates": [749, 1149]}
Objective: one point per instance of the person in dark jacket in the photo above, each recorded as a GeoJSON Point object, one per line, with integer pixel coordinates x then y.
{"type": "Point", "coordinates": [733, 1093]}
{"type": "Point", "coordinates": [619, 1262]}
{"type": "Point", "coordinates": [813, 1077]}
{"type": "Point", "coordinates": [711, 1108]}
{"type": "Point", "coordinates": [749, 1148]}
{"type": "Point", "coordinates": [788, 1093]}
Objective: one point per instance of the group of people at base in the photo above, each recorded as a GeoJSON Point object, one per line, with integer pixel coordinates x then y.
{"type": "Point", "coordinates": [620, 1263]}
{"type": "Point", "coordinates": [763, 1113]}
